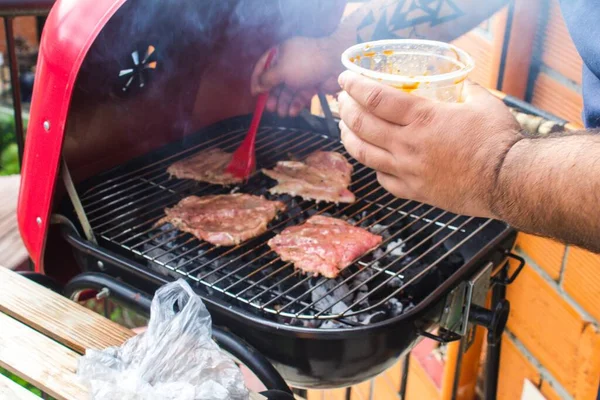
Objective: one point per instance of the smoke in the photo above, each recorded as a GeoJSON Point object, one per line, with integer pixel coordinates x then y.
{"type": "Point", "coordinates": [194, 29]}
{"type": "Point", "coordinates": [191, 39]}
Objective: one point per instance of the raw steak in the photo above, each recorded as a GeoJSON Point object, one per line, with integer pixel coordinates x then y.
{"type": "Point", "coordinates": [205, 166]}
{"type": "Point", "coordinates": [323, 245]}
{"type": "Point", "coordinates": [324, 175]}
{"type": "Point", "coordinates": [223, 220]}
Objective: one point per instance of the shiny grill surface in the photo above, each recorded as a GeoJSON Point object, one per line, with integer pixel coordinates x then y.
{"type": "Point", "coordinates": [422, 245]}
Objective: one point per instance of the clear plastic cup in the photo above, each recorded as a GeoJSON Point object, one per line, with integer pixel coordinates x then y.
{"type": "Point", "coordinates": [426, 68]}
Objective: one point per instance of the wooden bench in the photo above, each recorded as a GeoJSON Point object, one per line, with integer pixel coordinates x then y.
{"type": "Point", "coordinates": [42, 335]}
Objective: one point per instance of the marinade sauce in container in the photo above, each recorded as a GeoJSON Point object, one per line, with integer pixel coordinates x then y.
{"type": "Point", "coordinates": [425, 68]}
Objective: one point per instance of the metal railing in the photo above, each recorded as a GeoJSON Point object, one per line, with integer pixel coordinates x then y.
{"type": "Point", "coordinates": [9, 10]}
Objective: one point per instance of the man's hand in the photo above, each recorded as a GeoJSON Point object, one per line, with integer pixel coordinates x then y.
{"type": "Point", "coordinates": [447, 155]}
{"type": "Point", "coordinates": [302, 67]}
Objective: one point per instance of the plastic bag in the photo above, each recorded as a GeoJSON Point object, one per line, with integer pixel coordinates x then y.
{"type": "Point", "coordinates": [175, 358]}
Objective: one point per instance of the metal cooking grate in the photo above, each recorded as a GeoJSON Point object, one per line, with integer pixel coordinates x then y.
{"type": "Point", "coordinates": [419, 240]}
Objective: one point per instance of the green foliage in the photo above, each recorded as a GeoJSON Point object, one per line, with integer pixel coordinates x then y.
{"type": "Point", "coordinates": [9, 160]}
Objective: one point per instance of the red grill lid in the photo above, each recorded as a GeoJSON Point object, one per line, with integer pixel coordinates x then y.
{"type": "Point", "coordinates": [71, 28]}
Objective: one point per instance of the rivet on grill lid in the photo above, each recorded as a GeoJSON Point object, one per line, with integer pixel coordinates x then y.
{"type": "Point", "coordinates": [46, 126]}
{"type": "Point", "coordinates": [38, 220]}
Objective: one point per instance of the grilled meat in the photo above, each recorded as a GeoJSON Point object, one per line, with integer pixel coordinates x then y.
{"type": "Point", "coordinates": [205, 166]}
{"type": "Point", "coordinates": [323, 176]}
{"type": "Point", "coordinates": [323, 245]}
{"type": "Point", "coordinates": [223, 220]}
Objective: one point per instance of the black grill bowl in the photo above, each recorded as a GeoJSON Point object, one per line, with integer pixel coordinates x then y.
{"type": "Point", "coordinates": [306, 357]}
{"type": "Point", "coordinates": [328, 359]}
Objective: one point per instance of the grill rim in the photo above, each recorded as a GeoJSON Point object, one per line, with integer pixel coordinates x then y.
{"type": "Point", "coordinates": [422, 308]}
{"type": "Point", "coordinates": [240, 122]}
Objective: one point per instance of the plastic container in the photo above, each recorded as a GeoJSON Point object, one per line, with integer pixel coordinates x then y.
{"type": "Point", "coordinates": [426, 68]}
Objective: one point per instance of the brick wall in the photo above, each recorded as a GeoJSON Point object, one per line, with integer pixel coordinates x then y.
{"type": "Point", "coordinates": [553, 337]}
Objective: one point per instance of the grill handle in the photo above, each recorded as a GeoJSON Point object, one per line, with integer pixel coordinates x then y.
{"type": "Point", "coordinates": [442, 336]}
{"type": "Point", "coordinates": [247, 355]}
{"type": "Point", "coordinates": [507, 281]}
{"type": "Point", "coordinates": [232, 344]}
{"type": "Point", "coordinates": [495, 321]}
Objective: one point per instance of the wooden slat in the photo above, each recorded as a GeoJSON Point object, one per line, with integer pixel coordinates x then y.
{"type": "Point", "coordinates": [10, 390]}
{"type": "Point", "coordinates": [39, 360]}
{"type": "Point", "coordinates": [44, 363]}
{"type": "Point", "coordinates": [57, 317]}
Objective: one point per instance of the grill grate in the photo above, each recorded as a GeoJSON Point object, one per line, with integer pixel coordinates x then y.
{"type": "Point", "coordinates": [421, 243]}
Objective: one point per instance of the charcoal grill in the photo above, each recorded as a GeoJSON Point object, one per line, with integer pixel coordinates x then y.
{"type": "Point", "coordinates": [110, 129]}
{"type": "Point", "coordinates": [318, 332]}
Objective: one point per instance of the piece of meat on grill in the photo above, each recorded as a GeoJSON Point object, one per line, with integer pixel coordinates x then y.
{"type": "Point", "coordinates": [205, 166]}
{"type": "Point", "coordinates": [323, 245]}
{"type": "Point", "coordinates": [322, 176]}
{"type": "Point", "coordinates": [223, 220]}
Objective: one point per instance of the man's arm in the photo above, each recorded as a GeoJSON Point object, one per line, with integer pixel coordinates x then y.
{"type": "Point", "coordinates": [551, 186]}
{"type": "Point", "coordinates": [443, 20]}
{"type": "Point", "coordinates": [307, 65]}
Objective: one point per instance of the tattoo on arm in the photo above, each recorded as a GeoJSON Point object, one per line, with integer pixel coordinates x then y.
{"type": "Point", "coordinates": [393, 19]}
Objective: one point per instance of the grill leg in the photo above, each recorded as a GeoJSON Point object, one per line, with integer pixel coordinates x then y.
{"type": "Point", "coordinates": [404, 377]}
{"type": "Point", "coordinates": [492, 364]}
